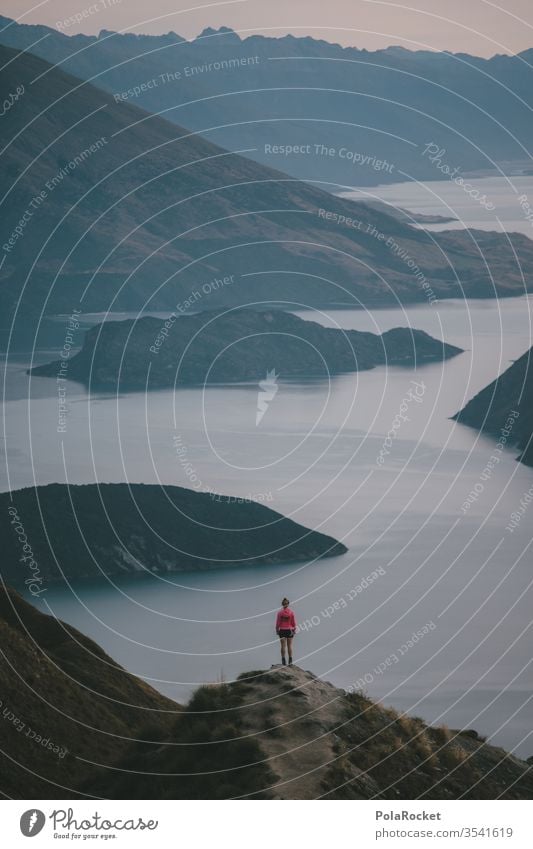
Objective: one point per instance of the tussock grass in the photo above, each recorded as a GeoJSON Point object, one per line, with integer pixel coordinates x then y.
{"type": "Point", "coordinates": [206, 756]}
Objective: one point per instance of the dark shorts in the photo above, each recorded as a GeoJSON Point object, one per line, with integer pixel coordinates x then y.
{"type": "Point", "coordinates": [284, 632]}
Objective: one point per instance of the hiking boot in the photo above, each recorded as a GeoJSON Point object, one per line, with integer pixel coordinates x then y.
{"type": "Point", "coordinates": [284, 662]}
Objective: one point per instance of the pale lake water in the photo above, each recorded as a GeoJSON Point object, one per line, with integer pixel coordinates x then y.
{"type": "Point", "coordinates": [509, 196]}
{"type": "Point", "coordinates": [313, 457]}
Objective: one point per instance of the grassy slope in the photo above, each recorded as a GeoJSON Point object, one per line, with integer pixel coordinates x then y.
{"type": "Point", "coordinates": [354, 98]}
{"type": "Point", "coordinates": [175, 199]}
{"type": "Point", "coordinates": [59, 685]}
{"type": "Point", "coordinates": [285, 734]}
{"type": "Point", "coordinates": [277, 734]}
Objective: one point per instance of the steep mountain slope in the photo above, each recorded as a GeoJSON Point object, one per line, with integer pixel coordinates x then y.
{"type": "Point", "coordinates": [64, 704]}
{"type": "Point", "coordinates": [76, 724]}
{"type": "Point", "coordinates": [104, 207]}
{"type": "Point", "coordinates": [314, 741]}
{"type": "Point", "coordinates": [259, 92]}
{"type": "Point", "coordinates": [235, 346]}
{"type": "Point", "coordinates": [118, 529]}
{"type": "Point", "coordinates": [506, 404]}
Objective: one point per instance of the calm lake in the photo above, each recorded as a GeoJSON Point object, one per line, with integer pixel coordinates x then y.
{"type": "Point", "coordinates": [313, 457]}
{"type": "Point", "coordinates": [504, 205]}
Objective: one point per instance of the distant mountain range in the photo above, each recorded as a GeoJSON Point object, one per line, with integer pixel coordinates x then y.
{"type": "Point", "coordinates": [504, 408]}
{"type": "Point", "coordinates": [233, 346]}
{"type": "Point", "coordinates": [263, 93]}
{"type": "Point", "coordinates": [126, 528]}
{"type": "Point", "coordinates": [105, 207]}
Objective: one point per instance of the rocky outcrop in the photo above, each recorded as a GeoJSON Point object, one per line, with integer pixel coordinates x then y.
{"type": "Point", "coordinates": [235, 346]}
{"type": "Point", "coordinates": [286, 734]}
{"type": "Point", "coordinates": [75, 724]}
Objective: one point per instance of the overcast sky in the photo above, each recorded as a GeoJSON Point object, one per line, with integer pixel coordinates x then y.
{"type": "Point", "coordinates": [481, 27]}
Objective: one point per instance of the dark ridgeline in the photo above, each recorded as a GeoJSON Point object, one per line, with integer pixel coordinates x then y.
{"type": "Point", "coordinates": [235, 346]}
{"type": "Point", "coordinates": [143, 212]}
{"type": "Point", "coordinates": [75, 724]}
{"type": "Point", "coordinates": [65, 704]}
{"type": "Point", "coordinates": [494, 408]}
{"type": "Point", "coordinates": [284, 733]}
{"type": "Point", "coordinates": [120, 529]}
{"type": "Point", "coordinates": [386, 105]}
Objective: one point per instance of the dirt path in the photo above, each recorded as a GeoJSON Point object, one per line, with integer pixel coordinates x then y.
{"type": "Point", "coordinates": [300, 712]}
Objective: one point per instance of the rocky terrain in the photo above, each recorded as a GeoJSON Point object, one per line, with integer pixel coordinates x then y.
{"type": "Point", "coordinates": [235, 346]}
{"type": "Point", "coordinates": [283, 733]}
{"type": "Point", "coordinates": [58, 532]}
{"type": "Point", "coordinates": [75, 724]}
{"type": "Point", "coordinates": [506, 405]}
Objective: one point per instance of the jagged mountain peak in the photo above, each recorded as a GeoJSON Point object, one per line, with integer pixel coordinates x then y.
{"type": "Point", "coordinates": [225, 32]}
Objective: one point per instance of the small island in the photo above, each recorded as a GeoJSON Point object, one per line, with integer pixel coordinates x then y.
{"type": "Point", "coordinates": [234, 346]}
{"type": "Point", "coordinates": [99, 530]}
{"type": "Point", "coordinates": [505, 407]}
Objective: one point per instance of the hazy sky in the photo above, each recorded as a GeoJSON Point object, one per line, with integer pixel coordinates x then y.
{"type": "Point", "coordinates": [481, 27]}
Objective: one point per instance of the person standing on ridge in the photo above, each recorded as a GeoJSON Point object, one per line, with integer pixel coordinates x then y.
{"type": "Point", "coordinates": [285, 629]}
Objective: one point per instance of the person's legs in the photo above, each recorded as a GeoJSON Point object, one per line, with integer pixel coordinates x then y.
{"type": "Point", "coordinates": [289, 647]}
{"type": "Point", "coordinates": [283, 645]}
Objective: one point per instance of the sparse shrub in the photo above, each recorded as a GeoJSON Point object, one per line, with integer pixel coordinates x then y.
{"type": "Point", "coordinates": [256, 673]}
{"type": "Point", "coordinates": [452, 756]}
{"type": "Point", "coordinates": [396, 742]}
{"type": "Point", "coordinates": [410, 725]}
{"type": "Point", "coordinates": [423, 748]}
{"type": "Point", "coordinates": [441, 734]}
{"type": "Point", "coordinates": [206, 757]}
{"type": "Point", "coordinates": [391, 714]}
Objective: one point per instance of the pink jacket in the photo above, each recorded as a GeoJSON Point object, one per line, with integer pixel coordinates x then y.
{"type": "Point", "coordinates": [285, 620]}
